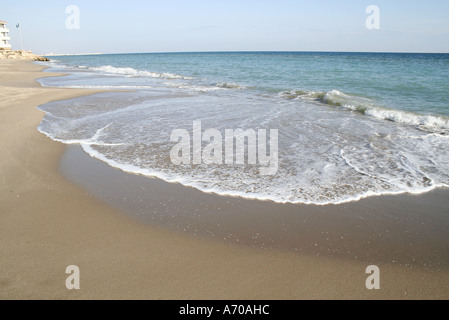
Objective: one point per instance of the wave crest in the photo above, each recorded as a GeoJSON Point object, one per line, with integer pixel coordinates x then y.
{"type": "Point", "coordinates": [138, 73]}
{"type": "Point", "coordinates": [369, 107]}
{"type": "Point", "coordinates": [229, 85]}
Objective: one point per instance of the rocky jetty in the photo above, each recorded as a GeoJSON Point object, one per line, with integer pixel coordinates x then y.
{"type": "Point", "coordinates": [20, 55]}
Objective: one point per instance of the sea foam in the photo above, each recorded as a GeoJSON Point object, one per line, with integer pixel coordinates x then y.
{"type": "Point", "coordinates": [334, 146]}
{"type": "Point", "coordinates": [369, 107]}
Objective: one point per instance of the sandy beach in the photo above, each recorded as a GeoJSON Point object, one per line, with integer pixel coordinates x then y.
{"type": "Point", "coordinates": [138, 238]}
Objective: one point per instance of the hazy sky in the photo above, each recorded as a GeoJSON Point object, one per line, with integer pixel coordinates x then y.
{"type": "Point", "coordinates": [228, 25]}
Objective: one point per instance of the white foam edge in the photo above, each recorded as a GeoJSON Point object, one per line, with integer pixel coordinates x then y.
{"type": "Point", "coordinates": [260, 197]}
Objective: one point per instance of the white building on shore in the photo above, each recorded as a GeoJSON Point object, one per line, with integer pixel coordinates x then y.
{"type": "Point", "coordinates": [4, 36]}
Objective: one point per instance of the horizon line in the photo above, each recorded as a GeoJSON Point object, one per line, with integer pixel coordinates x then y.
{"type": "Point", "coordinates": [242, 51]}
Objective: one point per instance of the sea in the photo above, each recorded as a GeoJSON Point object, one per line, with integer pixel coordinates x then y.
{"type": "Point", "coordinates": [350, 125]}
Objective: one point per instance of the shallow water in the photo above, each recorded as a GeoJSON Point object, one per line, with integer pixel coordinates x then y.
{"type": "Point", "coordinates": [350, 125]}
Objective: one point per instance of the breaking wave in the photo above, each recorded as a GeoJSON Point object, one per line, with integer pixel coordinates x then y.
{"type": "Point", "coordinates": [369, 107]}
{"type": "Point", "coordinates": [137, 73]}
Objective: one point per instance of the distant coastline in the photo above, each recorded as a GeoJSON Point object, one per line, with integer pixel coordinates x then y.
{"type": "Point", "coordinates": [69, 54]}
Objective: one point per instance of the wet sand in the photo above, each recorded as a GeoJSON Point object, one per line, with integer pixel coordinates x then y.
{"type": "Point", "coordinates": [407, 230]}
{"type": "Point", "coordinates": [126, 233]}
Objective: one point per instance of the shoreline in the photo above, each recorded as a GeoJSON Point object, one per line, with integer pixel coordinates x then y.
{"type": "Point", "coordinates": [49, 223]}
{"type": "Point", "coordinates": [381, 230]}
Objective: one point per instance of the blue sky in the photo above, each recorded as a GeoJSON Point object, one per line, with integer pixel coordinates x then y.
{"type": "Point", "coordinates": [231, 25]}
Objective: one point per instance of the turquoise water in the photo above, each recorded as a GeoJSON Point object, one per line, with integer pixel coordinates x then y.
{"type": "Point", "coordinates": [351, 125]}
{"type": "Point", "coordinates": [412, 82]}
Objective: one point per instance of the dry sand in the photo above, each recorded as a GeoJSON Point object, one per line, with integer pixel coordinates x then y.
{"type": "Point", "coordinates": [47, 223]}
